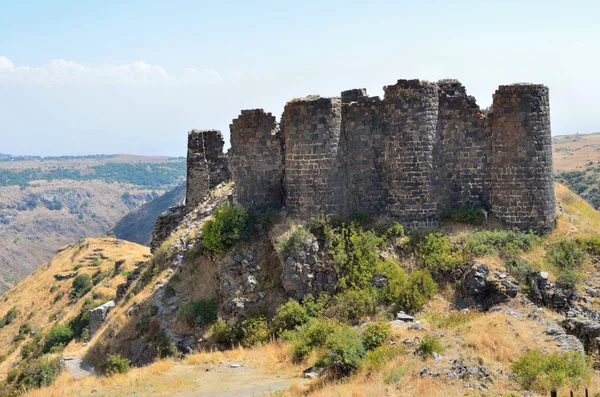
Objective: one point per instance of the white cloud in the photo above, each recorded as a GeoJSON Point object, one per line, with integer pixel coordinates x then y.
{"type": "Point", "coordinates": [193, 75]}
{"type": "Point", "coordinates": [59, 71]}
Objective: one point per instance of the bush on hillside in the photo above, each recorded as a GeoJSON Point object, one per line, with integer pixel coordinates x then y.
{"type": "Point", "coordinates": [344, 353]}
{"type": "Point", "coordinates": [431, 344]}
{"type": "Point", "coordinates": [297, 241]}
{"type": "Point", "coordinates": [288, 316]}
{"type": "Point", "coordinates": [420, 288]}
{"type": "Point", "coordinates": [40, 373]}
{"type": "Point", "coordinates": [225, 229]}
{"type": "Point", "coordinates": [464, 215]}
{"type": "Point", "coordinates": [9, 317]}
{"type": "Point", "coordinates": [221, 332]}
{"type": "Point", "coordinates": [590, 244]}
{"type": "Point", "coordinates": [59, 336]}
{"type": "Point", "coordinates": [81, 285]}
{"type": "Point", "coordinates": [353, 305]}
{"type": "Point", "coordinates": [542, 372]}
{"type": "Point", "coordinates": [252, 331]}
{"type": "Point", "coordinates": [435, 253]}
{"type": "Point", "coordinates": [568, 279]}
{"type": "Point", "coordinates": [115, 364]}
{"type": "Point", "coordinates": [506, 243]}
{"type": "Point", "coordinates": [309, 337]}
{"type": "Point", "coordinates": [315, 306]}
{"type": "Point", "coordinates": [199, 312]}
{"type": "Point", "coordinates": [354, 253]}
{"type": "Point", "coordinates": [375, 335]}
{"type": "Point", "coordinates": [395, 230]}
{"type": "Point", "coordinates": [395, 280]}
{"type": "Point", "coordinates": [564, 255]}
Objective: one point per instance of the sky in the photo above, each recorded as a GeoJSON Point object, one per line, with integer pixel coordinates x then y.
{"type": "Point", "coordinates": [127, 76]}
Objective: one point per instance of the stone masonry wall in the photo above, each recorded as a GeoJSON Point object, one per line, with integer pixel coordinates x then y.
{"type": "Point", "coordinates": [313, 180]}
{"type": "Point", "coordinates": [206, 164]}
{"type": "Point", "coordinates": [424, 149]}
{"type": "Point", "coordinates": [362, 136]}
{"type": "Point", "coordinates": [256, 162]}
{"type": "Point", "coordinates": [410, 114]}
{"type": "Point", "coordinates": [522, 183]}
{"type": "Point", "coordinates": [462, 158]}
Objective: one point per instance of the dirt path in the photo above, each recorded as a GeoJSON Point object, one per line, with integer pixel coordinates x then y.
{"type": "Point", "coordinates": [235, 382]}
{"type": "Point", "coordinates": [76, 367]}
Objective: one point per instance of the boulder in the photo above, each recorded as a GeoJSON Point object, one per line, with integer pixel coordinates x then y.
{"type": "Point", "coordinates": [484, 292]}
{"type": "Point", "coordinates": [98, 315]}
{"type": "Point", "coordinates": [587, 331]}
{"type": "Point", "coordinates": [544, 293]}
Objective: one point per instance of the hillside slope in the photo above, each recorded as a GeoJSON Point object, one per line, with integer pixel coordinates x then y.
{"type": "Point", "coordinates": [46, 203]}
{"type": "Point", "coordinates": [164, 315]}
{"type": "Point", "coordinates": [137, 226]}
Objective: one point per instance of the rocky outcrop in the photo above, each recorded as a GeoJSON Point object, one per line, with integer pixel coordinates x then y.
{"type": "Point", "coordinates": [587, 331]}
{"type": "Point", "coordinates": [304, 273]}
{"type": "Point", "coordinates": [166, 223]}
{"type": "Point", "coordinates": [484, 291]}
{"type": "Point", "coordinates": [98, 315]}
{"type": "Point", "coordinates": [545, 293]}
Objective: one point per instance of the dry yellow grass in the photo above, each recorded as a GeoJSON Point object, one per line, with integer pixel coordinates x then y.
{"type": "Point", "coordinates": [40, 308]}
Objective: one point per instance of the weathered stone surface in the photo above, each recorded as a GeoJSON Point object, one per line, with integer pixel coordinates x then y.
{"type": "Point", "coordinates": [423, 149]}
{"type": "Point", "coordinates": [166, 223]}
{"type": "Point", "coordinates": [544, 293]}
{"type": "Point", "coordinates": [256, 160]}
{"type": "Point", "coordinates": [484, 291]}
{"type": "Point", "coordinates": [206, 164]}
{"type": "Point", "coordinates": [98, 315]}
{"type": "Point", "coordinates": [587, 331]}
{"type": "Point", "coordinates": [522, 182]}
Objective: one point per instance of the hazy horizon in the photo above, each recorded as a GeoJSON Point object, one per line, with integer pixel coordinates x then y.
{"type": "Point", "coordinates": [90, 78]}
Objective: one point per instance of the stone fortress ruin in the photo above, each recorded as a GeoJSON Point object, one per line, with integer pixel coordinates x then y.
{"type": "Point", "coordinates": [424, 149]}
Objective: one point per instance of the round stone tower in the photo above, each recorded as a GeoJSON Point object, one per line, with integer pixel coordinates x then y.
{"type": "Point", "coordinates": [522, 182]}
{"type": "Point", "coordinates": [410, 123]}
{"type": "Point", "coordinates": [314, 179]}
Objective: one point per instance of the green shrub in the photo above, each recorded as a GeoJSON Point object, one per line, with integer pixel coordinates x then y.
{"type": "Point", "coordinates": [431, 344]}
{"type": "Point", "coordinates": [543, 372]}
{"type": "Point", "coordinates": [590, 244]}
{"type": "Point", "coordinates": [310, 336]}
{"type": "Point", "coordinates": [568, 279]}
{"type": "Point", "coordinates": [169, 291]}
{"type": "Point", "coordinates": [289, 315]}
{"type": "Point", "coordinates": [41, 373]}
{"type": "Point", "coordinates": [81, 285]}
{"type": "Point", "coordinates": [564, 254]}
{"type": "Point", "coordinates": [380, 356]}
{"type": "Point", "coordinates": [115, 364]}
{"type": "Point", "coordinates": [78, 266]}
{"type": "Point", "coordinates": [221, 332]}
{"type": "Point", "coordinates": [375, 335]}
{"type": "Point", "coordinates": [300, 352]}
{"type": "Point", "coordinates": [344, 353]}
{"type": "Point", "coordinates": [394, 375]}
{"type": "Point", "coordinates": [353, 305]}
{"type": "Point", "coordinates": [420, 288]}
{"type": "Point", "coordinates": [519, 268]}
{"type": "Point", "coordinates": [252, 331]}
{"type": "Point", "coordinates": [395, 230]}
{"type": "Point", "coordinates": [80, 324]}
{"type": "Point", "coordinates": [315, 306]}
{"type": "Point", "coordinates": [297, 241]}
{"type": "Point", "coordinates": [59, 336]}
{"type": "Point", "coordinates": [396, 280]}
{"type": "Point", "coordinates": [506, 243]}
{"type": "Point", "coordinates": [164, 346]}
{"type": "Point", "coordinates": [435, 253]}
{"type": "Point", "coordinates": [199, 312]}
{"type": "Point", "coordinates": [28, 349]}
{"type": "Point", "coordinates": [464, 215]}
{"type": "Point", "coordinates": [354, 253]}
{"type": "Point", "coordinates": [225, 229]}
{"type": "Point", "coordinates": [9, 317]}
{"type": "Point", "coordinates": [96, 262]}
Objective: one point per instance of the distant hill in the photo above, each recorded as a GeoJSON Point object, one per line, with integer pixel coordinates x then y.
{"type": "Point", "coordinates": [577, 164]}
{"type": "Point", "coordinates": [48, 202]}
{"type": "Point", "coordinates": [137, 226]}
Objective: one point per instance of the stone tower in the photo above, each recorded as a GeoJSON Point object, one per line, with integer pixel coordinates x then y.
{"type": "Point", "coordinates": [522, 183]}
{"type": "Point", "coordinates": [206, 164]}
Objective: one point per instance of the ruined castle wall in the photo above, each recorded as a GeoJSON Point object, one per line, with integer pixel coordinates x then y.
{"type": "Point", "coordinates": [256, 162]}
{"type": "Point", "coordinates": [410, 124]}
{"type": "Point", "coordinates": [206, 164]}
{"type": "Point", "coordinates": [362, 138]}
{"type": "Point", "coordinates": [522, 181]}
{"type": "Point", "coordinates": [462, 155]}
{"type": "Point", "coordinates": [314, 180]}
